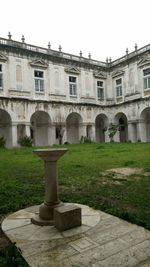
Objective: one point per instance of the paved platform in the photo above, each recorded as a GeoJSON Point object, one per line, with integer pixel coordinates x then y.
{"type": "Point", "coordinates": [103, 240]}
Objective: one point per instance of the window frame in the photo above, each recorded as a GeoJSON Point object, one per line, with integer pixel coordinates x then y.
{"type": "Point", "coordinates": [39, 82]}
{"type": "Point", "coordinates": [118, 88]}
{"type": "Point", "coordinates": [73, 86]}
{"type": "Point", "coordinates": [100, 90]}
{"type": "Point", "coordinates": [146, 80]}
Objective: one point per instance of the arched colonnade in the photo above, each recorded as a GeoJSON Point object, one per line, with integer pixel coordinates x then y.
{"type": "Point", "coordinates": [44, 131]}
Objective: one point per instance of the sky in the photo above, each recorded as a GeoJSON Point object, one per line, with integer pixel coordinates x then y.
{"type": "Point", "coordinates": [105, 28]}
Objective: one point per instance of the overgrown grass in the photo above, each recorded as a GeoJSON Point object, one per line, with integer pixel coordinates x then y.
{"type": "Point", "coordinates": [81, 179]}
{"type": "Point", "coordinates": [11, 257]}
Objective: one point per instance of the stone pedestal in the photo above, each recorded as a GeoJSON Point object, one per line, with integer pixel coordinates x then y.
{"type": "Point", "coordinates": [67, 217]}
{"type": "Point", "coordinates": [46, 210]}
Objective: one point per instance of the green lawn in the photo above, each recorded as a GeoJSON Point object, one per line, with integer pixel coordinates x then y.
{"type": "Point", "coordinates": [81, 179]}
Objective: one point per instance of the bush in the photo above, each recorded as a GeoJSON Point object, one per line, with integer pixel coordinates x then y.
{"type": "Point", "coordinates": [66, 143]}
{"type": "Point", "coordinates": [25, 141]}
{"type": "Point", "coordinates": [85, 140]}
{"type": "Point", "coordinates": [2, 141]}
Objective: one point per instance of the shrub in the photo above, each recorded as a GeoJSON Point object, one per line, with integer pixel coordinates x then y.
{"type": "Point", "coordinates": [2, 141]}
{"type": "Point", "coordinates": [85, 140]}
{"type": "Point", "coordinates": [82, 139]}
{"type": "Point", "coordinates": [66, 143]}
{"type": "Point", "coordinates": [25, 141]}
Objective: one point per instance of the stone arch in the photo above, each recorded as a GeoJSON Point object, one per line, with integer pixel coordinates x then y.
{"type": "Point", "coordinates": [101, 123]}
{"type": "Point", "coordinates": [40, 128]}
{"type": "Point", "coordinates": [145, 125]}
{"type": "Point", "coordinates": [6, 127]}
{"type": "Point", "coordinates": [122, 122]}
{"type": "Point", "coordinates": [73, 126]}
{"type": "Point", "coordinates": [88, 131]}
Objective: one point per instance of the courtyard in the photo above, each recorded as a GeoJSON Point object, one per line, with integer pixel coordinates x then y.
{"type": "Point", "coordinates": [114, 178]}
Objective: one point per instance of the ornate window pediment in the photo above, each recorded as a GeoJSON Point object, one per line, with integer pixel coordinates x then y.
{"type": "Point", "coordinates": [99, 75]}
{"type": "Point", "coordinates": [73, 70]}
{"type": "Point", "coordinates": [117, 73]}
{"type": "Point", "coordinates": [144, 61]}
{"type": "Point", "coordinates": [3, 58]}
{"type": "Point", "coordinates": [39, 63]}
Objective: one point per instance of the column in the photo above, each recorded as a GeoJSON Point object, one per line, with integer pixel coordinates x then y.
{"type": "Point", "coordinates": [107, 139]}
{"type": "Point", "coordinates": [51, 134]}
{"type": "Point", "coordinates": [27, 129]}
{"type": "Point", "coordinates": [14, 141]}
{"type": "Point", "coordinates": [132, 135]}
{"type": "Point", "coordinates": [117, 136]}
{"type": "Point", "coordinates": [142, 131]}
{"type": "Point", "coordinates": [82, 130]}
{"type": "Point", "coordinates": [64, 138]}
{"type": "Point", "coordinates": [46, 210]}
{"type": "Point", "coordinates": [92, 133]}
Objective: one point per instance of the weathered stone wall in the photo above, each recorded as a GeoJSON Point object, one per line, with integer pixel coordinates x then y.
{"type": "Point", "coordinates": [45, 114]}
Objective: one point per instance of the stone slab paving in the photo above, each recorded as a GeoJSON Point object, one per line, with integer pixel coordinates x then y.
{"type": "Point", "coordinates": [103, 240]}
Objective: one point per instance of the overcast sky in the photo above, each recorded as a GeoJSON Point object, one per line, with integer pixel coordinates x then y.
{"type": "Point", "coordinates": [105, 28]}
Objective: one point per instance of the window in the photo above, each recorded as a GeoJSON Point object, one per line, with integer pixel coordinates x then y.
{"type": "Point", "coordinates": [1, 77]}
{"type": "Point", "coordinates": [39, 81]}
{"type": "Point", "coordinates": [72, 86]}
{"type": "Point", "coordinates": [100, 90]}
{"type": "Point", "coordinates": [118, 87]}
{"type": "Point", "coordinates": [146, 79]}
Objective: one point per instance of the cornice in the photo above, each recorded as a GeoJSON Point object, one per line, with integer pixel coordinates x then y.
{"type": "Point", "coordinates": [11, 46]}
{"type": "Point", "coordinates": [18, 99]}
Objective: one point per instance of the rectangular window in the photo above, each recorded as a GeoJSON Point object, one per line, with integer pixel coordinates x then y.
{"type": "Point", "coordinates": [119, 87]}
{"type": "Point", "coordinates": [146, 79]}
{"type": "Point", "coordinates": [1, 77]}
{"type": "Point", "coordinates": [72, 86]}
{"type": "Point", "coordinates": [39, 81]}
{"type": "Point", "coordinates": [100, 90]}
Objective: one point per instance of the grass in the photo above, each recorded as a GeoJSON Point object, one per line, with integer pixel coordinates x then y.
{"type": "Point", "coordinates": [81, 179]}
{"type": "Point", "coordinates": [11, 257]}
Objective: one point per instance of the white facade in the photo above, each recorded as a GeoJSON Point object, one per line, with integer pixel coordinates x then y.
{"type": "Point", "coordinates": [46, 93]}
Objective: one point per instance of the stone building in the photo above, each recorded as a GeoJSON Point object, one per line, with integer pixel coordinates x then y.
{"type": "Point", "coordinates": [57, 97]}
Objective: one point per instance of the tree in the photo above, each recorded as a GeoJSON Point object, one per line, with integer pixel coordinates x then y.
{"type": "Point", "coordinates": [112, 129]}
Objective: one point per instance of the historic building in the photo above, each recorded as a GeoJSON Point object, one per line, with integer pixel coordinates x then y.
{"type": "Point", "coordinates": [49, 94]}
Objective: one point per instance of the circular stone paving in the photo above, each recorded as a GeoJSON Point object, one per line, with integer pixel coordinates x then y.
{"type": "Point", "coordinates": [19, 228]}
